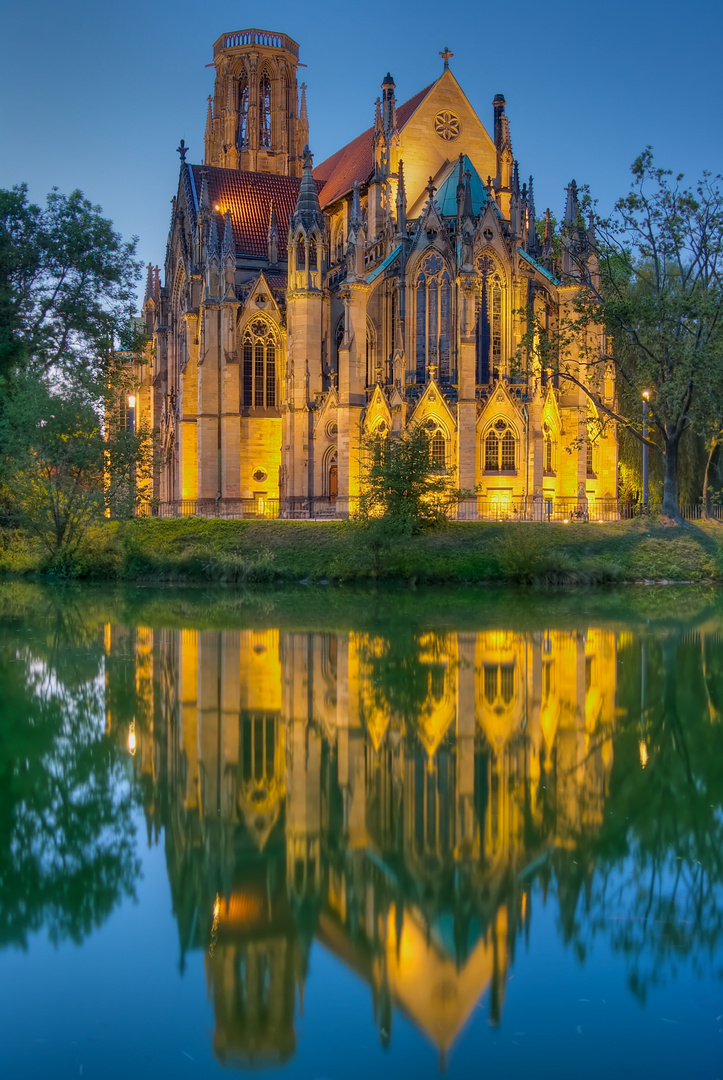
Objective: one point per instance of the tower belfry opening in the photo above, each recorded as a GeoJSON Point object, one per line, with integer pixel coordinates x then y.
{"type": "Point", "coordinates": [253, 116]}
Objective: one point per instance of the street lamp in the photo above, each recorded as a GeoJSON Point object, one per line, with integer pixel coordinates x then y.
{"type": "Point", "coordinates": [646, 399]}
{"type": "Point", "coordinates": [132, 431]}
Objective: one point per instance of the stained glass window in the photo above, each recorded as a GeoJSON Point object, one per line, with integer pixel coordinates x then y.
{"type": "Point", "coordinates": [488, 335]}
{"type": "Point", "coordinates": [264, 110]}
{"type": "Point", "coordinates": [500, 448]}
{"type": "Point", "coordinates": [243, 114]}
{"type": "Point", "coordinates": [258, 383]}
{"type": "Point", "coordinates": [433, 315]}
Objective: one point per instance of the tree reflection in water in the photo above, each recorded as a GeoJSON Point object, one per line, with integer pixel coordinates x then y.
{"type": "Point", "coordinates": [400, 797]}
{"type": "Point", "coordinates": [67, 846]}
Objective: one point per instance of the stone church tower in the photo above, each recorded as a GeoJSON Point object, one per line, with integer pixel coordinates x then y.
{"type": "Point", "coordinates": [252, 121]}
{"type": "Point", "coordinates": [307, 308]}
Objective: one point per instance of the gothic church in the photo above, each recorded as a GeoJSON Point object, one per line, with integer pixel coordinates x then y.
{"type": "Point", "coordinates": [306, 307]}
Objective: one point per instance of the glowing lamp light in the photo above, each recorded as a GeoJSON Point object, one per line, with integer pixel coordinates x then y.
{"type": "Point", "coordinates": [566, 521]}
{"type": "Point", "coordinates": [131, 401]}
{"type": "Point", "coordinates": [642, 747]}
{"type": "Point", "coordinates": [646, 395]}
{"type": "Point", "coordinates": [132, 739]}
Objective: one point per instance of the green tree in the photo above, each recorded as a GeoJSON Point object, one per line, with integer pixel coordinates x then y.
{"type": "Point", "coordinates": [650, 276]}
{"type": "Point", "coordinates": [67, 293]}
{"type": "Point", "coordinates": [403, 484]}
{"type": "Point", "coordinates": [67, 288]}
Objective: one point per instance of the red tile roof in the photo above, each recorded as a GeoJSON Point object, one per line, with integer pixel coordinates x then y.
{"type": "Point", "coordinates": [248, 196]}
{"type": "Point", "coordinates": [355, 162]}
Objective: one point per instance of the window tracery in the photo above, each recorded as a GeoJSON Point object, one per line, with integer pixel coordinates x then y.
{"type": "Point", "coordinates": [433, 316]}
{"type": "Point", "coordinates": [259, 366]}
{"type": "Point", "coordinates": [265, 110]}
{"type": "Point", "coordinates": [243, 113]}
{"type": "Point", "coordinates": [548, 449]}
{"type": "Point", "coordinates": [437, 445]}
{"type": "Point", "coordinates": [500, 448]}
{"type": "Point", "coordinates": [488, 335]}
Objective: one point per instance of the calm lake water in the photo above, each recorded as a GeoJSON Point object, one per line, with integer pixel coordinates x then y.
{"type": "Point", "coordinates": [331, 835]}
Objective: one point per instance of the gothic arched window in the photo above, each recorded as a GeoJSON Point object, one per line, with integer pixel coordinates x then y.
{"type": "Point", "coordinates": [243, 113]}
{"type": "Point", "coordinates": [548, 457]}
{"type": "Point", "coordinates": [438, 450]}
{"type": "Point", "coordinates": [500, 448]}
{"type": "Point", "coordinates": [259, 366]}
{"type": "Point", "coordinates": [488, 335]}
{"type": "Point", "coordinates": [337, 246]}
{"type": "Point", "coordinates": [437, 445]}
{"type": "Point", "coordinates": [265, 110]}
{"type": "Point", "coordinates": [433, 315]}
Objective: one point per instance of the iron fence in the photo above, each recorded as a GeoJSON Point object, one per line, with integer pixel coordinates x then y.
{"type": "Point", "coordinates": [478, 508]}
{"type": "Point", "coordinates": [537, 508]}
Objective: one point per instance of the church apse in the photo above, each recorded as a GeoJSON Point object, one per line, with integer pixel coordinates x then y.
{"type": "Point", "coordinates": [403, 279]}
{"type": "Point", "coordinates": [385, 796]}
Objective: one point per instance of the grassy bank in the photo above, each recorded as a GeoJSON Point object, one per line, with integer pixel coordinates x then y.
{"type": "Point", "coordinates": [282, 552]}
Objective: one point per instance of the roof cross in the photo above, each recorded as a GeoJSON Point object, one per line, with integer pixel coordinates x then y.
{"type": "Point", "coordinates": [182, 149]}
{"type": "Point", "coordinates": [446, 56]}
{"type": "Point", "coordinates": [431, 188]}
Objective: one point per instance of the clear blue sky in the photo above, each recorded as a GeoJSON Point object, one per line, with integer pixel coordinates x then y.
{"type": "Point", "coordinates": [97, 95]}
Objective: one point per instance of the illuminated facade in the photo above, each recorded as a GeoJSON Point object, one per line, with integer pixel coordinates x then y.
{"type": "Point", "coordinates": [309, 794]}
{"type": "Point", "coordinates": [305, 308]}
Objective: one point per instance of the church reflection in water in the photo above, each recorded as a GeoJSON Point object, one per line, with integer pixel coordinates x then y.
{"type": "Point", "coordinates": [393, 802]}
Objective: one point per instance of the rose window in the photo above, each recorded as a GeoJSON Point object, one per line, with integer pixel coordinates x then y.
{"type": "Point", "coordinates": [447, 126]}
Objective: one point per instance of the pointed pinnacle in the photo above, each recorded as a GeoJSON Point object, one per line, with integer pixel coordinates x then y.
{"type": "Point", "coordinates": [228, 246]}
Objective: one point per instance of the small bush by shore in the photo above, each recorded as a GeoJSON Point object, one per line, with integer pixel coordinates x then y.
{"type": "Point", "coordinates": [282, 552]}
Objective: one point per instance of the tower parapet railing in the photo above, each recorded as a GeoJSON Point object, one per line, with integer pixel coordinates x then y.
{"type": "Point", "coordinates": [238, 38]}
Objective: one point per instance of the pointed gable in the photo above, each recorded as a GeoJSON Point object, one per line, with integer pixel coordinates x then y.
{"type": "Point", "coordinates": [354, 163]}
{"type": "Point", "coordinates": [423, 146]}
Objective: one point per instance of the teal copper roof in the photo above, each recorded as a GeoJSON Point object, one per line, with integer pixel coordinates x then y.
{"type": "Point", "coordinates": [446, 194]}
{"type": "Point", "coordinates": [382, 266]}
{"type": "Point", "coordinates": [538, 266]}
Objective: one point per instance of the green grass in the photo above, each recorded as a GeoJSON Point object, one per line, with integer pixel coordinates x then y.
{"type": "Point", "coordinates": [197, 550]}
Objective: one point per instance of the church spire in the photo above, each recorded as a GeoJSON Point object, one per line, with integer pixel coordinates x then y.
{"type": "Point", "coordinates": [572, 208]}
{"type": "Point", "coordinates": [273, 236]}
{"type": "Point", "coordinates": [389, 106]}
{"type": "Point", "coordinates": [227, 246]}
{"type": "Point", "coordinates": [228, 254]}
{"type": "Point", "coordinates": [401, 202]}
{"type": "Point", "coordinates": [149, 284]}
{"type": "Point", "coordinates": [308, 211]}
{"type": "Point", "coordinates": [355, 218]}
{"type": "Point", "coordinates": [460, 188]}
{"type": "Point", "coordinates": [204, 203]}
{"type": "Point", "coordinates": [468, 210]}
{"type": "Point", "coordinates": [547, 247]}
{"type": "Point", "coordinates": [532, 242]}
{"type": "Point", "coordinates": [573, 237]}
{"type": "Point", "coordinates": [515, 202]}
{"type": "Point", "coordinates": [303, 119]}
{"type": "Point", "coordinates": [213, 247]}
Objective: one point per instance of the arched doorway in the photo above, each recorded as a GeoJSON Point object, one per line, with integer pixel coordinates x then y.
{"type": "Point", "coordinates": [333, 478]}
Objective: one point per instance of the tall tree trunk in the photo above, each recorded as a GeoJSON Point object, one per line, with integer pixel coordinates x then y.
{"type": "Point", "coordinates": [670, 505]}
{"type": "Point", "coordinates": [707, 500]}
